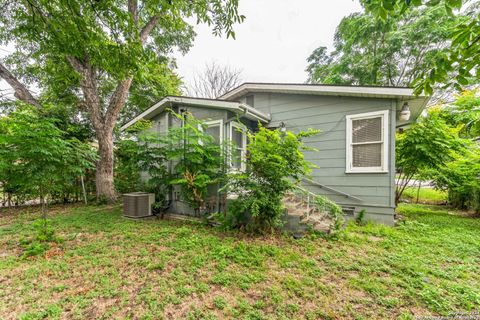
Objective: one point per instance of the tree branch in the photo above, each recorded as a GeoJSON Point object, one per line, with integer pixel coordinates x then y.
{"type": "Point", "coordinates": [21, 92]}
{"type": "Point", "coordinates": [133, 9]}
{"type": "Point", "coordinates": [117, 101]}
{"type": "Point", "coordinates": [88, 84]}
{"type": "Point", "coordinates": [148, 28]}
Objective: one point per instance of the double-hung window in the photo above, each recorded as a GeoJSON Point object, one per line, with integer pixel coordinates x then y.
{"type": "Point", "coordinates": [238, 151]}
{"type": "Point", "coordinates": [367, 142]}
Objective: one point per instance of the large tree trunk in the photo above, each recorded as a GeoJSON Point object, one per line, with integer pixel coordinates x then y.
{"type": "Point", "coordinates": [103, 119]}
{"type": "Point", "coordinates": [104, 175]}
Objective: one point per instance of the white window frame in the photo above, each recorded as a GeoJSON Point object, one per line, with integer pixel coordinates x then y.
{"type": "Point", "coordinates": [243, 152]}
{"type": "Point", "coordinates": [383, 168]}
{"type": "Point", "coordinates": [215, 123]}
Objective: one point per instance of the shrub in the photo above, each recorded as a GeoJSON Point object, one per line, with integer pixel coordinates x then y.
{"type": "Point", "coordinates": [461, 178]}
{"type": "Point", "coordinates": [275, 162]}
{"type": "Point", "coordinates": [40, 242]}
{"type": "Point", "coordinates": [197, 161]}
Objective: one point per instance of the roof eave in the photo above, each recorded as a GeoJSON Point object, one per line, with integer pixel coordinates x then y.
{"type": "Point", "coordinates": [366, 91]}
{"type": "Point", "coordinates": [248, 111]}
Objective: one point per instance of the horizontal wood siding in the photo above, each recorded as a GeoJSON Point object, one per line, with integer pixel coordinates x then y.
{"type": "Point", "coordinates": [327, 114]}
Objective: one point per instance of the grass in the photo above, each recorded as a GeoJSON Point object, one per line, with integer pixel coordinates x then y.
{"type": "Point", "coordinates": [425, 196]}
{"type": "Point", "coordinates": [112, 267]}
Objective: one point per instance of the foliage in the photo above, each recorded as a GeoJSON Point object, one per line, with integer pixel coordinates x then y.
{"type": "Point", "coordinates": [360, 219]}
{"type": "Point", "coordinates": [461, 177]}
{"type": "Point", "coordinates": [369, 51]}
{"type": "Point", "coordinates": [197, 160]}
{"type": "Point", "coordinates": [464, 111]}
{"type": "Point", "coordinates": [145, 153]}
{"type": "Point", "coordinates": [40, 243]}
{"type": "Point", "coordinates": [274, 163]}
{"type": "Point", "coordinates": [425, 195]}
{"type": "Point", "coordinates": [99, 56]}
{"type": "Point", "coordinates": [36, 158]}
{"type": "Point", "coordinates": [427, 145]}
{"type": "Point", "coordinates": [459, 65]}
{"type": "Point", "coordinates": [434, 270]}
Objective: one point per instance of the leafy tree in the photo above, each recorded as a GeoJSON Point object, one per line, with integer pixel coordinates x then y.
{"type": "Point", "coordinates": [426, 146]}
{"type": "Point", "coordinates": [461, 178]}
{"type": "Point", "coordinates": [90, 54]}
{"type": "Point", "coordinates": [464, 111]}
{"type": "Point", "coordinates": [36, 158]}
{"type": "Point", "coordinates": [459, 64]}
{"type": "Point", "coordinates": [370, 51]}
{"type": "Point", "coordinates": [275, 163]}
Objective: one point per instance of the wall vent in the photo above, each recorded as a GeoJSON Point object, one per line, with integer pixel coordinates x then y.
{"type": "Point", "coordinates": [348, 211]}
{"type": "Point", "coordinates": [138, 204]}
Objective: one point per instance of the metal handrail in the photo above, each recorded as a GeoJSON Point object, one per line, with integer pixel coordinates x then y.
{"type": "Point", "coordinates": [333, 190]}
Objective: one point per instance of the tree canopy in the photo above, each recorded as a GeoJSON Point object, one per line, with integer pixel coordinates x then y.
{"type": "Point", "coordinates": [392, 52]}
{"type": "Point", "coordinates": [99, 56]}
{"type": "Point", "coordinates": [459, 64]}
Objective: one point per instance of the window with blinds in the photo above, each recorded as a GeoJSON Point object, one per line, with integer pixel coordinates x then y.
{"type": "Point", "coordinates": [367, 142]}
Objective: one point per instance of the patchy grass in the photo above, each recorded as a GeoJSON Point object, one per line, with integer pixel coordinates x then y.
{"type": "Point", "coordinates": [112, 267]}
{"type": "Point", "coordinates": [425, 196]}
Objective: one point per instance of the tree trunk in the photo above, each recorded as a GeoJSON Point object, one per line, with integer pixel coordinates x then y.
{"type": "Point", "coordinates": [104, 175]}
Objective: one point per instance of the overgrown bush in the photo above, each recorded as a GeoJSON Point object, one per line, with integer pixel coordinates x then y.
{"type": "Point", "coordinates": [275, 162]}
{"type": "Point", "coordinates": [142, 153]}
{"type": "Point", "coordinates": [197, 161]}
{"type": "Point", "coordinates": [461, 178]}
{"type": "Point", "coordinates": [38, 159]}
{"type": "Point", "coordinates": [424, 148]}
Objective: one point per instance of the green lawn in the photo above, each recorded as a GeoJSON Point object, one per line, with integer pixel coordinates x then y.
{"type": "Point", "coordinates": [426, 195]}
{"type": "Point", "coordinates": [111, 267]}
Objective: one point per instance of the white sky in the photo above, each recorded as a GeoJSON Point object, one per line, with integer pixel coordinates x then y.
{"type": "Point", "coordinates": [273, 42]}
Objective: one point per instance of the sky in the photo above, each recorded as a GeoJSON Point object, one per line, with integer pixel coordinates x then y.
{"type": "Point", "coordinates": [271, 45]}
{"type": "Point", "coordinates": [273, 42]}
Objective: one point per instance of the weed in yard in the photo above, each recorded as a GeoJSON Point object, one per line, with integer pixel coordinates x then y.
{"type": "Point", "coordinates": [114, 267]}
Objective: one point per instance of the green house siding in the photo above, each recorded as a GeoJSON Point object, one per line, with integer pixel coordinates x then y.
{"type": "Point", "coordinates": [327, 113]}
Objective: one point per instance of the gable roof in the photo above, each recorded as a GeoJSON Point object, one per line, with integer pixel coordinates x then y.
{"type": "Point", "coordinates": [169, 101]}
{"type": "Point", "coordinates": [403, 93]}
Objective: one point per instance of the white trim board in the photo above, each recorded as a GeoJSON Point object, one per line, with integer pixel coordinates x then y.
{"type": "Point", "coordinates": [385, 142]}
{"type": "Point", "coordinates": [240, 108]}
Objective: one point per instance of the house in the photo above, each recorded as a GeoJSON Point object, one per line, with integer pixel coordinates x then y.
{"type": "Point", "coordinates": [356, 157]}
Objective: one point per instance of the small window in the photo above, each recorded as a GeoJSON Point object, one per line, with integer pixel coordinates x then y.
{"type": "Point", "coordinates": [215, 129]}
{"type": "Point", "coordinates": [250, 101]}
{"type": "Point", "coordinates": [367, 142]}
{"type": "Point", "coordinates": [238, 153]}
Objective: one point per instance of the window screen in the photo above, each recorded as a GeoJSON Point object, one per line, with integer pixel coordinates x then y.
{"type": "Point", "coordinates": [214, 131]}
{"type": "Point", "coordinates": [238, 147]}
{"type": "Point", "coordinates": [366, 142]}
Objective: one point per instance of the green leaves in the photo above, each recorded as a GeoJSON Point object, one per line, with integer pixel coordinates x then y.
{"type": "Point", "coordinates": [275, 162]}
{"type": "Point", "coordinates": [198, 161]}
{"type": "Point", "coordinates": [459, 67]}
{"type": "Point", "coordinates": [36, 157]}
{"type": "Point", "coordinates": [388, 52]}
